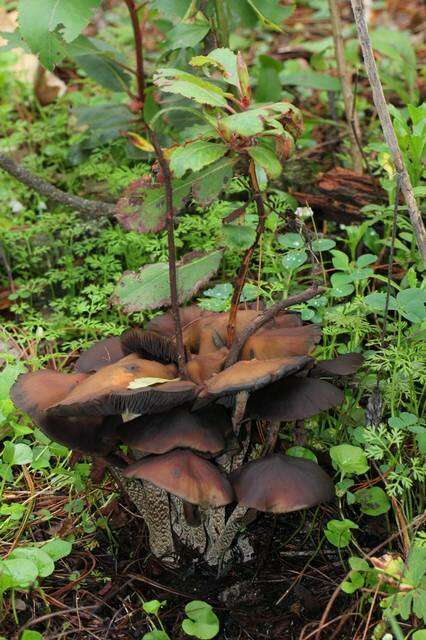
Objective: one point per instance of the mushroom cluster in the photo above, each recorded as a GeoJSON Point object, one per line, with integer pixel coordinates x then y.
{"type": "Point", "coordinates": [183, 428]}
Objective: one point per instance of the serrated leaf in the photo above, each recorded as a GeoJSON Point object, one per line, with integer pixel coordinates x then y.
{"type": "Point", "coordinates": [142, 206]}
{"type": "Point", "coordinates": [246, 123]}
{"type": "Point", "coordinates": [195, 155]}
{"type": "Point", "coordinates": [266, 158]}
{"type": "Point", "coordinates": [149, 288]}
{"type": "Point", "coordinates": [238, 236]}
{"type": "Point", "coordinates": [186, 34]}
{"type": "Point", "coordinates": [190, 86]}
{"type": "Point", "coordinates": [40, 20]}
{"type": "Point", "coordinates": [223, 59]}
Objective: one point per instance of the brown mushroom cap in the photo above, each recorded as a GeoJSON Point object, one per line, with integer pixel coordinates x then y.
{"type": "Point", "coordinates": [34, 392]}
{"type": "Point", "coordinates": [99, 355]}
{"type": "Point", "coordinates": [293, 399]}
{"type": "Point", "coordinates": [203, 430]}
{"type": "Point", "coordinates": [201, 368]}
{"type": "Point", "coordinates": [281, 342]}
{"type": "Point", "coordinates": [249, 375]}
{"type": "Point", "coordinates": [185, 475]}
{"type": "Point", "coordinates": [344, 365]}
{"type": "Point", "coordinates": [96, 394]}
{"type": "Point", "coordinates": [279, 484]}
{"type": "Point", "coordinates": [210, 333]}
{"type": "Point", "coordinates": [164, 323]}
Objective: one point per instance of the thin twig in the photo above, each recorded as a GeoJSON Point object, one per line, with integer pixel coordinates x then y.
{"type": "Point", "coordinates": [387, 127]}
{"type": "Point", "coordinates": [137, 32]}
{"type": "Point", "coordinates": [244, 267]}
{"type": "Point", "coordinates": [168, 189]}
{"type": "Point", "coordinates": [91, 207]}
{"type": "Point", "coordinates": [345, 81]}
{"type": "Point", "coordinates": [268, 315]}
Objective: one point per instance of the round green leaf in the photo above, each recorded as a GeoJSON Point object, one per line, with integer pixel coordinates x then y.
{"type": "Point", "coordinates": [202, 622]}
{"type": "Point", "coordinates": [57, 548]}
{"type": "Point", "coordinates": [322, 244]}
{"type": "Point", "coordinates": [338, 532]}
{"type": "Point", "coordinates": [291, 240]}
{"type": "Point", "coordinates": [17, 453]}
{"type": "Point", "coordinates": [40, 558]}
{"type": "Point", "coordinates": [19, 572]}
{"type": "Point", "coordinates": [301, 452]}
{"type": "Point", "coordinates": [294, 259]}
{"type": "Point", "coordinates": [373, 501]}
{"type": "Point", "coordinates": [349, 459]}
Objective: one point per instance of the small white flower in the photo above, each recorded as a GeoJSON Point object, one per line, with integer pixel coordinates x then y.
{"type": "Point", "coordinates": [303, 213]}
{"type": "Point", "coordinates": [16, 206]}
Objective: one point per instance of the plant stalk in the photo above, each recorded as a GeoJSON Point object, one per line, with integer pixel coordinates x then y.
{"type": "Point", "coordinates": [245, 264]}
{"type": "Point", "coordinates": [137, 33]}
{"type": "Point", "coordinates": [222, 31]}
{"type": "Point", "coordinates": [387, 126]}
{"type": "Point", "coordinates": [168, 188]}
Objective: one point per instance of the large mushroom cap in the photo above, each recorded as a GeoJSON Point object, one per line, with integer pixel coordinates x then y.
{"type": "Point", "coordinates": [280, 484]}
{"type": "Point", "coordinates": [107, 391]}
{"type": "Point", "coordinates": [293, 399]}
{"type": "Point", "coordinates": [185, 475]}
{"type": "Point", "coordinates": [203, 431]}
{"type": "Point", "coordinates": [35, 392]}
{"type": "Point", "coordinates": [249, 375]}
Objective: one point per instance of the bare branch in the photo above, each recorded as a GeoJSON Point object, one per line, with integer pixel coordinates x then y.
{"type": "Point", "coordinates": [387, 127]}
{"type": "Point", "coordinates": [89, 207]}
{"type": "Point", "coordinates": [268, 315]}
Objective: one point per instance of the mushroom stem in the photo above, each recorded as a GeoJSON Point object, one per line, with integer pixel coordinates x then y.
{"type": "Point", "coordinates": [239, 410]}
{"type": "Point", "coordinates": [272, 433]}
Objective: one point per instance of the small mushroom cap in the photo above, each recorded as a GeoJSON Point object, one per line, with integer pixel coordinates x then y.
{"type": "Point", "coordinates": [279, 484]}
{"type": "Point", "coordinates": [180, 428]}
{"type": "Point", "coordinates": [149, 346]}
{"type": "Point", "coordinates": [91, 396]}
{"type": "Point", "coordinates": [249, 375]}
{"type": "Point", "coordinates": [99, 355]}
{"type": "Point", "coordinates": [201, 367]}
{"type": "Point", "coordinates": [210, 333]}
{"type": "Point", "coordinates": [185, 475]}
{"type": "Point", "coordinates": [164, 323]}
{"type": "Point", "coordinates": [281, 342]}
{"type": "Point", "coordinates": [293, 399]}
{"type": "Point", "coordinates": [344, 365]}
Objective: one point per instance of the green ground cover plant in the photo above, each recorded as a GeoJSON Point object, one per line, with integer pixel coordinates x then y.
{"type": "Point", "coordinates": [242, 129]}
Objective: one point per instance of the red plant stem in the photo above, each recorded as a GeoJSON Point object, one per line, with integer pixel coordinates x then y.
{"type": "Point", "coordinates": [245, 264]}
{"type": "Point", "coordinates": [137, 32]}
{"type": "Point", "coordinates": [168, 189]}
{"type": "Point", "coordinates": [268, 315]}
